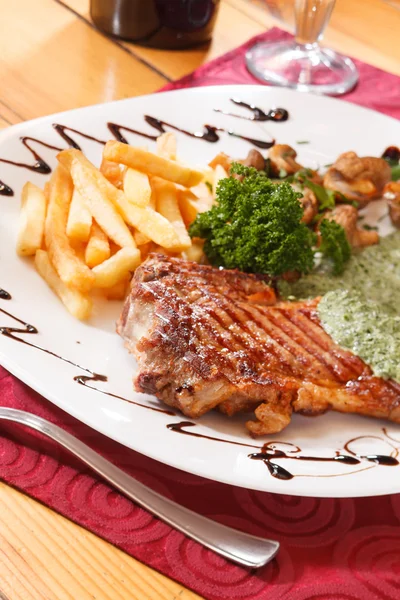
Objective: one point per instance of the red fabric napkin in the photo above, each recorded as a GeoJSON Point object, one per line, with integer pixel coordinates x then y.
{"type": "Point", "coordinates": [331, 549]}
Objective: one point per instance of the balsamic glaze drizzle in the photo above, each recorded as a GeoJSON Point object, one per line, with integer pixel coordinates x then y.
{"type": "Point", "coordinates": [5, 190]}
{"type": "Point", "coordinates": [379, 459]}
{"type": "Point", "coordinates": [39, 166]}
{"type": "Point", "coordinates": [81, 379]}
{"type": "Point", "coordinates": [390, 437]}
{"type": "Point", "coordinates": [116, 129]}
{"type": "Point", "coordinates": [61, 129]}
{"type": "Point", "coordinates": [268, 452]}
{"type": "Point", "coordinates": [181, 428]}
{"type": "Point", "coordinates": [27, 328]}
{"type": "Point", "coordinates": [275, 114]}
{"type": "Point", "coordinates": [209, 134]}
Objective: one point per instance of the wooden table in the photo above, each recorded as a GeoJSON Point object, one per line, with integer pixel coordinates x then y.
{"type": "Point", "coordinates": [52, 59]}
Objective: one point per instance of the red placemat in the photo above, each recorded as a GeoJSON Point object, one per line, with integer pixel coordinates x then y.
{"type": "Point", "coordinates": [336, 549]}
{"type": "Point", "coordinates": [376, 89]}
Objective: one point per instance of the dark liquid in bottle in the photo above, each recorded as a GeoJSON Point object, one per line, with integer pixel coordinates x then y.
{"type": "Point", "coordinates": [157, 23]}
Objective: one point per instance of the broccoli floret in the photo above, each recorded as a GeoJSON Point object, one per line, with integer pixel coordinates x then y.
{"type": "Point", "coordinates": [334, 245]}
{"type": "Point", "coordinates": [255, 226]}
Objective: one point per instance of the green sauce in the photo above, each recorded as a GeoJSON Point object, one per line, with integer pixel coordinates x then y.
{"type": "Point", "coordinates": [361, 309]}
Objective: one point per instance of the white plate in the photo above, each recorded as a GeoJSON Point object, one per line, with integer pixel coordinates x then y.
{"type": "Point", "coordinates": [331, 127]}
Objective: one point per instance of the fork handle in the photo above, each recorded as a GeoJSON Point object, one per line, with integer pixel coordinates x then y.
{"type": "Point", "coordinates": [237, 546]}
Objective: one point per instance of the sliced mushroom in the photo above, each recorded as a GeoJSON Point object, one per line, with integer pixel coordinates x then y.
{"type": "Point", "coordinates": [309, 203]}
{"type": "Point", "coordinates": [392, 193]}
{"type": "Point", "coordinates": [254, 159]}
{"type": "Point", "coordinates": [347, 215]}
{"type": "Point", "coordinates": [282, 157]}
{"type": "Point", "coordinates": [359, 179]}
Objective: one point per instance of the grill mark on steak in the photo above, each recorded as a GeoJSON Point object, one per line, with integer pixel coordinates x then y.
{"type": "Point", "coordinates": [341, 366]}
{"type": "Point", "coordinates": [242, 335]}
{"type": "Point", "coordinates": [283, 342]}
{"type": "Point", "coordinates": [348, 364]}
{"type": "Point", "coordinates": [304, 343]}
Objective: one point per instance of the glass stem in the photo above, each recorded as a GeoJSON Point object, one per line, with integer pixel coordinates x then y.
{"type": "Point", "coordinates": [312, 17]}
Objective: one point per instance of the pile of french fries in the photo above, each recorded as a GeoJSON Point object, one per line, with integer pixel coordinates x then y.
{"type": "Point", "coordinates": [90, 228]}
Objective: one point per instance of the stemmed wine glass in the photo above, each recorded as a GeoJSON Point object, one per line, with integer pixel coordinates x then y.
{"type": "Point", "coordinates": [301, 63]}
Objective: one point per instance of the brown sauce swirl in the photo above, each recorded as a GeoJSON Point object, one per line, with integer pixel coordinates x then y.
{"type": "Point", "coordinates": [275, 114]}
{"type": "Point", "coordinates": [25, 328]}
{"type": "Point", "coordinates": [268, 453]}
{"type": "Point", "coordinates": [210, 134]}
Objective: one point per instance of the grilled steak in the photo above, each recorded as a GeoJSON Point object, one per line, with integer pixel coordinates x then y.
{"type": "Point", "coordinates": [207, 338]}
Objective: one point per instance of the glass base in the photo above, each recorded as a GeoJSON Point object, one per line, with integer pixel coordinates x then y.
{"type": "Point", "coordinates": [303, 67]}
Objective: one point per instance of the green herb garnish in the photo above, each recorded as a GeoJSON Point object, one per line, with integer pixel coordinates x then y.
{"type": "Point", "coordinates": [208, 184]}
{"type": "Point", "coordinates": [396, 172]}
{"type": "Point", "coordinates": [302, 142]}
{"type": "Point", "coordinates": [335, 245]}
{"type": "Point", "coordinates": [326, 198]}
{"type": "Point", "coordinates": [255, 226]}
{"type": "Point", "coordinates": [369, 227]}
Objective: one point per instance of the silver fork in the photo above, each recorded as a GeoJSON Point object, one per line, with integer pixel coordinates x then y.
{"type": "Point", "coordinates": [237, 546]}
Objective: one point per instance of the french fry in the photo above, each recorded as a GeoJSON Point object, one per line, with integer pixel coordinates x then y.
{"type": "Point", "coordinates": [98, 247]}
{"type": "Point", "coordinates": [137, 187]}
{"type": "Point", "coordinates": [219, 173]}
{"type": "Point", "coordinates": [151, 224]}
{"type": "Point", "coordinates": [167, 206]}
{"type": "Point", "coordinates": [187, 202]}
{"type": "Point", "coordinates": [195, 252]}
{"type": "Point", "coordinates": [76, 303]}
{"type": "Point", "coordinates": [203, 189]}
{"type": "Point", "coordinates": [146, 220]}
{"type": "Point", "coordinates": [79, 219]}
{"type": "Point", "coordinates": [100, 196]}
{"type": "Point", "coordinates": [32, 220]}
{"type": "Point", "coordinates": [140, 238]}
{"type": "Point", "coordinates": [117, 267]}
{"type": "Point", "coordinates": [221, 159]}
{"type": "Point", "coordinates": [190, 205]}
{"type": "Point", "coordinates": [152, 203]}
{"type": "Point", "coordinates": [166, 145]}
{"type": "Point", "coordinates": [71, 269]}
{"type": "Point", "coordinates": [118, 291]}
{"type": "Point", "coordinates": [112, 172]}
{"type": "Point", "coordinates": [150, 163]}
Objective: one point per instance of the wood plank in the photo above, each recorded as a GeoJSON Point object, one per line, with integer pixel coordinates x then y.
{"type": "Point", "coordinates": [3, 124]}
{"type": "Point", "coordinates": [177, 63]}
{"type": "Point", "coordinates": [8, 115]}
{"type": "Point", "coordinates": [43, 556]}
{"type": "Point", "coordinates": [59, 62]}
{"type": "Point", "coordinates": [370, 34]}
